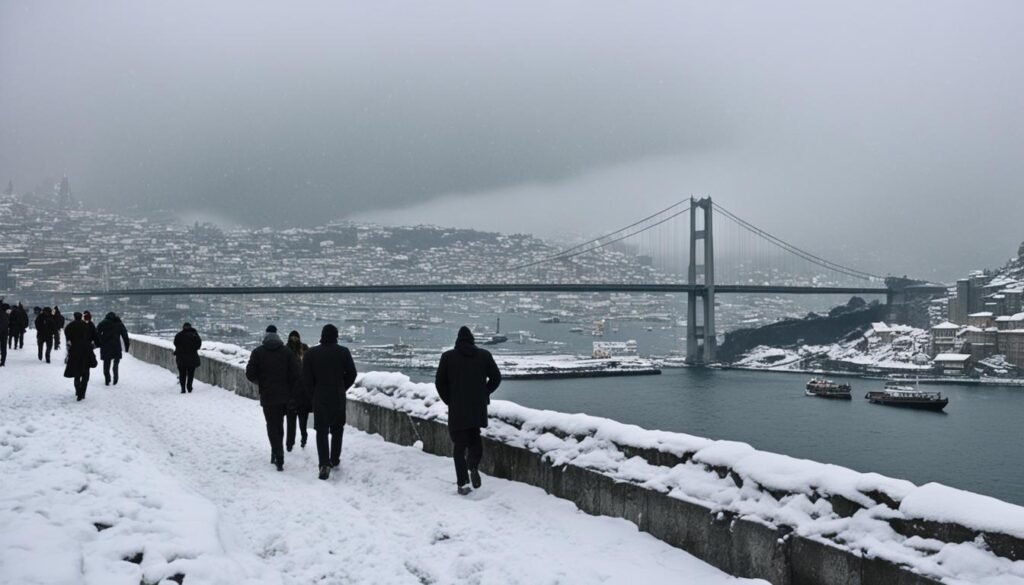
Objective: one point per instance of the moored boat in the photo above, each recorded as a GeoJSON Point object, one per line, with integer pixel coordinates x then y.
{"type": "Point", "coordinates": [907, 397]}
{"type": "Point", "coordinates": [827, 389]}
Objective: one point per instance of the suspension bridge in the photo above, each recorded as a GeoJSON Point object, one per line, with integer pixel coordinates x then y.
{"type": "Point", "coordinates": [750, 261]}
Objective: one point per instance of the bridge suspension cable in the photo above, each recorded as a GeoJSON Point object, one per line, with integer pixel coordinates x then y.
{"type": "Point", "coordinates": [602, 241]}
{"type": "Point", "coordinates": [795, 250]}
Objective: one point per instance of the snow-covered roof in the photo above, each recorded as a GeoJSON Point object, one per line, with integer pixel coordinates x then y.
{"type": "Point", "coordinates": [981, 314]}
{"type": "Point", "coordinates": [952, 357]}
{"type": "Point", "coordinates": [946, 325]}
{"type": "Point", "coordinates": [971, 329]}
{"type": "Point", "coordinates": [880, 327]}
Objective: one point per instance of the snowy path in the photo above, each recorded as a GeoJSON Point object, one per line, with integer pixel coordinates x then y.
{"type": "Point", "coordinates": [187, 481]}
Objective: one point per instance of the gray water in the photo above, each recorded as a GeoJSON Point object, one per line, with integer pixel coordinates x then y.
{"type": "Point", "coordinates": [975, 445]}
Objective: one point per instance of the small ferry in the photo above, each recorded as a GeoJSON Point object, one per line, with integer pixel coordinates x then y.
{"type": "Point", "coordinates": [907, 397]}
{"type": "Point", "coordinates": [827, 389]}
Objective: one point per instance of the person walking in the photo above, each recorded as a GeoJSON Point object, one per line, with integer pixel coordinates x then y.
{"type": "Point", "coordinates": [300, 404]}
{"type": "Point", "coordinates": [80, 338]}
{"type": "Point", "coordinates": [60, 322]}
{"type": "Point", "coordinates": [466, 378]}
{"type": "Point", "coordinates": [5, 326]}
{"type": "Point", "coordinates": [19, 324]}
{"type": "Point", "coordinates": [46, 328]}
{"type": "Point", "coordinates": [186, 353]}
{"type": "Point", "coordinates": [328, 372]}
{"type": "Point", "coordinates": [111, 332]}
{"type": "Point", "coordinates": [275, 370]}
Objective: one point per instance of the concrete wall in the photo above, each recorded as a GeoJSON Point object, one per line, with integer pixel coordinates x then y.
{"type": "Point", "coordinates": [738, 546]}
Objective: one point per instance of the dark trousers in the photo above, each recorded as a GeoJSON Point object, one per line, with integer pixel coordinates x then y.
{"type": "Point", "coordinates": [45, 341]}
{"type": "Point", "coordinates": [336, 430]}
{"type": "Point", "coordinates": [463, 441]}
{"type": "Point", "coordinates": [3, 349]}
{"type": "Point", "coordinates": [56, 340]}
{"type": "Point", "coordinates": [274, 415]}
{"type": "Point", "coordinates": [106, 369]}
{"type": "Point", "coordinates": [81, 383]}
{"type": "Point", "coordinates": [185, 377]}
{"type": "Point", "coordinates": [300, 416]}
{"type": "Point", "coordinates": [17, 340]}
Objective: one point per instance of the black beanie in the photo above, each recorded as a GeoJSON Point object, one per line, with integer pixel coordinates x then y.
{"type": "Point", "coordinates": [329, 334]}
{"type": "Point", "coordinates": [271, 328]}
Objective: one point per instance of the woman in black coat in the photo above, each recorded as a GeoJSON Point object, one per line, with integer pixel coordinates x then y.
{"type": "Point", "coordinates": [111, 332]}
{"type": "Point", "coordinates": [81, 338]}
{"type": "Point", "coordinates": [300, 404]}
{"type": "Point", "coordinates": [186, 353]}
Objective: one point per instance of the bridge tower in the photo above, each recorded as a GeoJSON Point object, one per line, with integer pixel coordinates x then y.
{"type": "Point", "coordinates": [700, 339]}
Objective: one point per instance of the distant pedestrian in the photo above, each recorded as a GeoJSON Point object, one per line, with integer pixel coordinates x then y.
{"type": "Point", "coordinates": [465, 380]}
{"type": "Point", "coordinates": [60, 322]}
{"type": "Point", "coordinates": [274, 369]}
{"type": "Point", "coordinates": [186, 353]}
{"type": "Point", "coordinates": [81, 339]}
{"type": "Point", "coordinates": [5, 327]}
{"type": "Point", "coordinates": [327, 373]}
{"type": "Point", "coordinates": [300, 404]}
{"type": "Point", "coordinates": [18, 326]}
{"type": "Point", "coordinates": [45, 330]}
{"type": "Point", "coordinates": [111, 332]}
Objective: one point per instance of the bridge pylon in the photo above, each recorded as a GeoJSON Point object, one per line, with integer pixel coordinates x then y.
{"type": "Point", "coordinates": [700, 338]}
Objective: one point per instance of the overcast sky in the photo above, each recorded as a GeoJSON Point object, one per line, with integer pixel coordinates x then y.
{"type": "Point", "coordinates": [894, 129]}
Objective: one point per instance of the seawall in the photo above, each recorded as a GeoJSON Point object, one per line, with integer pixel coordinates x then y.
{"type": "Point", "coordinates": [750, 513]}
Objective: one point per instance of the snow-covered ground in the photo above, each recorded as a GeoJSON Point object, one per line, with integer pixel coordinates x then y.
{"type": "Point", "coordinates": [182, 485]}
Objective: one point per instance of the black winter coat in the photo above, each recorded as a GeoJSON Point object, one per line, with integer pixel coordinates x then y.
{"type": "Point", "coordinates": [186, 348]}
{"type": "Point", "coordinates": [466, 377]}
{"type": "Point", "coordinates": [46, 327]}
{"type": "Point", "coordinates": [327, 373]}
{"type": "Point", "coordinates": [5, 323]}
{"type": "Point", "coordinates": [275, 369]}
{"type": "Point", "coordinates": [111, 332]}
{"type": "Point", "coordinates": [81, 338]}
{"type": "Point", "coordinates": [19, 320]}
{"type": "Point", "coordinates": [301, 400]}
{"type": "Point", "coordinates": [59, 319]}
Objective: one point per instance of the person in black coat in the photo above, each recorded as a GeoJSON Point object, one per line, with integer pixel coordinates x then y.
{"type": "Point", "coordinates": [465, 380]}
{"type": "Point", "coordinates": [18, 326]}
{"type": "Point", "coordinates": [111, 332]}
{"type": "Point", "coordinates": [5, 328]}
{"type": "Point", "coordinates": [275, 369]}
{"type": "Point", "coordinates": [186, 354]}
{"type": "Point", "coordinates": [328, 372]}
{"type": "Point", "coordinates": [300, 405]}
{"type": "Point", "coordinates": [46, 328]}
{"type": "Point", "coordinates": [60, 322]}
{"type": "Point", "coordinates": [81, 338]}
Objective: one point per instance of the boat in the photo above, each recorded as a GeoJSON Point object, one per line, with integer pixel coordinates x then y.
{"type": "Point", "coordinates": [550, 320]}
{"type": "Point", "coordinates": [827, 389]}
{"type": "Point", "coordinates": [907, 397]}
{"type": "Point", "coordinates": [497, 337]}
{"type": "Point", "coordinates": [575, 330]}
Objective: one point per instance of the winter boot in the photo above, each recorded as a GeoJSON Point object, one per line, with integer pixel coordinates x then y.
{"type": "Point", "coordinates": [325, 471]}
{"type": "Point", "coordinates": [464, 490]}
{"type": "Point", "coordinates": [474, 476]}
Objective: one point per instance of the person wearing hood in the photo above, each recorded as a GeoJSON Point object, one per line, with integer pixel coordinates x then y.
{"type": "Point", "coordinates": [465, 380]}
{"type": "Point", "coordinates": [81, 338]}
{"type": "Point", "coordinates": [111, 332]}
{"type": "Point", "coordinates": [46, 328]}
{"type": "Point", "coordinates": [275, 370]}
{"type": "Point", "coordinates": [19, 324]}
{"type": "Point", "coordinates": [300, 405]}
{"type": "Point", "coordinates": [328, 371]}
{"type": "Point", "coordinates": [186, 355]}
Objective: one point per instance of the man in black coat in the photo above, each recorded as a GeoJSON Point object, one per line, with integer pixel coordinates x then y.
{"type": "Point", "coordinates": [5, 327]}
{"type": "Point", "coordinates": [186, 354]}
{"type": "Point", "coordinates": [46, 328]}
{"type": "Point", "coordinates": [60, 322]}
{"type": "Point", "coordinates": [328, 372]}
{"type": "Point", "coordinates": [81, 338]}
{"type": "Point", "coordinates": [275, 369]}
{"type": "Point", "coordinates": [465, 380]}
{"type": "Point", "coordinates": [111, 332]}
{"type": "Point", "coordinates": [19, 324]}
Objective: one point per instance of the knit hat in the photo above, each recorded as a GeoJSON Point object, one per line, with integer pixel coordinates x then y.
{"type": "Point", "coordinates": [329, 334]}
{"type": "Point", "coordinates": [271, 328]}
